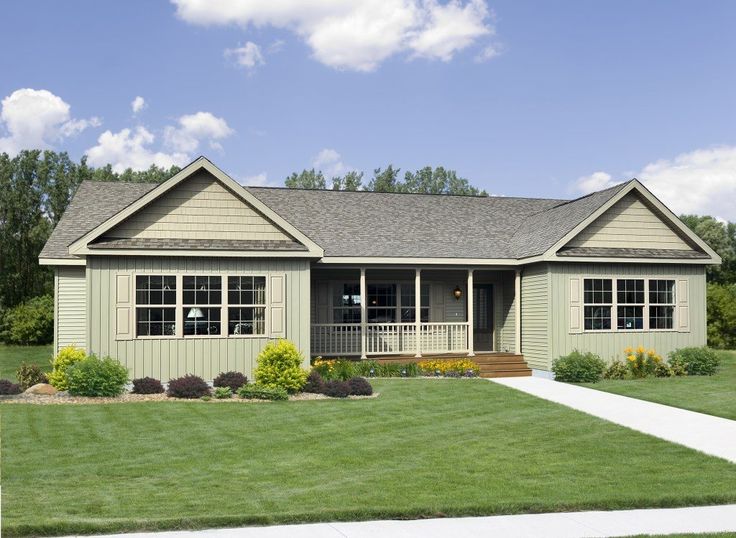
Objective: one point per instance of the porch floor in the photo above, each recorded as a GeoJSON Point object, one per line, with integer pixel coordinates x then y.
{"type": "Point", "coordinates": [491, 363]}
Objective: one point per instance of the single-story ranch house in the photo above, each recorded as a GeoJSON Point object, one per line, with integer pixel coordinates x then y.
{"type": "Point", "coordinates": [197, 274]}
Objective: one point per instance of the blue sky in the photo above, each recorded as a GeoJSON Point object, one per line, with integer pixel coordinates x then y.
{"type": "Point", "coordinates": [522, 98]}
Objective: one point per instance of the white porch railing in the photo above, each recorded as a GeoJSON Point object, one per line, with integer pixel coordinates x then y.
{"type": "Point", "coordinates": [333, 339]}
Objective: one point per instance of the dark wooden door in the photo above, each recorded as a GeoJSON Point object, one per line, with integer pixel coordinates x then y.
{"type": "Point", "coordinates": [483, 317]}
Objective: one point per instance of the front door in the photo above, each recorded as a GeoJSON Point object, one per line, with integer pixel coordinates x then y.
{"type": "Point", "coordinates": [483, 317]}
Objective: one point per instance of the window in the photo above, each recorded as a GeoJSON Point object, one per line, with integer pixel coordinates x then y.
{"type": "Point", "coordinates": [630, 300]}
{"type": "Point", "coordinates": [381, 303]}
{"type": "Point", "coordinates": [598, 300]}
{"type": "Point", "coordinates": [408, 313]}
{"type": "Point", "coordinates": [202, 305]}
{"type": "Point", "coordinates": [661, 304]}
{"type": "Point", "coordinates": [346, 303]}
{"type": "Point", "coordinates": [155, 313]}
{"type": "Point", "coordinates": [246, 297]}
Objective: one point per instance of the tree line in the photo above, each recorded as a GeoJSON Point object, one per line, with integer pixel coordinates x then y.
{"type": "Point", "coordinates": [37, 186]}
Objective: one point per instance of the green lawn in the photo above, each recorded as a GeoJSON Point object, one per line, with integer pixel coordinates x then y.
{"type": "Point", "coordinates": [12, 356]}
{"type": "Point", "coordinates": [715, 395]}
{"type": "Point", "coordinates": [423, 448]}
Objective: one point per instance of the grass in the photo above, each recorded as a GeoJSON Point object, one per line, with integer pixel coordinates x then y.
{"type": "Point", "coordinates": [12, 356]}
{"type": "Point", "coordinates": [424, 448]}
{"type": "Point", "coordinates": [714, 395]}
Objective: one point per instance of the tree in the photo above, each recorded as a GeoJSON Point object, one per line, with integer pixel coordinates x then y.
{"type": "Point", "coordinates": [35, 190]}
{"type": "Point", "coordinates": [306, 179]}
{"type": "Point", "coordinates": [385, 180]}
{"type": "Point", "coordinates": [438, 180]}
{"type": "Point", "coordinates": [722, 238]}
{"type": "Point", "coordinates": [352, 181]}
{"type": "Point", "coordinates": [722, 316]}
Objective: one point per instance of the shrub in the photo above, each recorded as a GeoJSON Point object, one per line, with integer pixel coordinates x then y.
{"type": "Point", "coordinates": [578, 367]}
{"type": "Point", "coordinates": [223, 393]}
{"type": "Point", "coordinates": [315, 383]}
{"type": "Point", "coordinates": [29, 323]}
{"type": "Point", "coordinates": [94, 376]}
{"type": "Point", "coordinates": [147, 385]}
{"type": "Point", "coordinates": [279, 366]}
{"type": "Point", "coordinates": [188, 386]}
{"type": "Point", "coordinates": [359, 386]}
{"type": "Point", "coordinates": [695, 360]}
{"type": "Point", "coordinates": [662, 369]}
{"type": "Point", "coordinates": [29, 375]}
{"type": "Point", "coordinates": [232, 380]}
{"type": "Point", "coordinates": [8, 388]}
{"type": "Point", "coordinates": [616, 370]}
{"type": "Point", "coordinates": [259, 392]}
{"type": "Point", "coordinates": [60, 364]}
{"type": "Point", "coordinates": [337, 389]}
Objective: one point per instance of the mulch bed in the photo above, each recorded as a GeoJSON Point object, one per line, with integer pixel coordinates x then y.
{"type": "Point", "coordinates": [64, 399]}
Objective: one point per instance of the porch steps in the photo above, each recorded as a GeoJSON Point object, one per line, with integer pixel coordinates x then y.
{"type": "Point", "coordinates": [490, 364]}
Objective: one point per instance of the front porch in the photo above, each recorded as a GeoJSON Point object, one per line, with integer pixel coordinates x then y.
{"type": "Point", "coordinates": [373, 312]}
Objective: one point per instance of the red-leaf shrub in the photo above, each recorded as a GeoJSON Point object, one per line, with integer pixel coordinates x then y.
{"type": "Point", "coordinates": [233, 380]}
{"type": "Point", "coordinates": [147, 385]}
{"type": "Point", "coordinates": [189, 386]}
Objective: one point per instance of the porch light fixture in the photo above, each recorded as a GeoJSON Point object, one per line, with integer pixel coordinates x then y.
{"type": "Point", "coordinates": [457, 293]}
{"type": "Point", "coordinates": [372, 372]}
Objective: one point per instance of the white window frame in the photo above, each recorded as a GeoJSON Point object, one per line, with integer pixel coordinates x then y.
{"type": "Point", "coordinates": [398, 307]}
{"type": "Point", "coordinates": [265, 306]}
{"type": "Point", "coordinates": [179, 306]}
{"type": "Point", "coordinates": [614, 305]}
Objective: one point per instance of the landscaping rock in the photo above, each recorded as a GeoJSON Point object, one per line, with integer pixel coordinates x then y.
{"type": "Point", "coordinates": [42, 389]}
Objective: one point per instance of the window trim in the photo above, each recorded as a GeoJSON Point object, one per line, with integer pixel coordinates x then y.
{"type": "Point", "coordinates": [179, 306]}
{"type": "Point", "coordinates": [614, 305]}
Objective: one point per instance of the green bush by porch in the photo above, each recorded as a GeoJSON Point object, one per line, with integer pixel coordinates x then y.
{"type": "Point", "coordinates": [423, 448]}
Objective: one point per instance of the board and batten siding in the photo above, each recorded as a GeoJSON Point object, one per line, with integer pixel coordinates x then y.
{"type": "Point", "coordinates": [610, 345]}
{"type": "Point", "coordinates": [535, 316]}
{"type": "Point", "coordinates": [199, 208]}
{"type": "Point", "coordinates": [630, 223]}
{"type": "Point", "coordinates": [169, 357]}
{"type": "Point", "coordinates": [70, 316]}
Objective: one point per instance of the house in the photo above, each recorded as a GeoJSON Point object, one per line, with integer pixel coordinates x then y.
{"type": "Point", "coordinates": [197, 274]}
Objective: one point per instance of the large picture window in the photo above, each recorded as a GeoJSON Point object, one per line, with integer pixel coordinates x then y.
{"type": "Point", "coordinates": [202, 305]}
{"type": "Point", "coordinates": [155, 313]}
{"type": "Point", "coordinates": [639, 304]}
{"type": "Point", "coordinates": [246, 297]}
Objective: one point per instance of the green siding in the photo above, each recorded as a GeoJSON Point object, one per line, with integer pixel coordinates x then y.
{"type": "Point", "coordinates": [535, 318]}
{"type": "Point", "coordinates": [70, 320]}
{"type": "Point", "coordinates": [167, 358]}
{"type": "Point", "coordinates": [610, 345]}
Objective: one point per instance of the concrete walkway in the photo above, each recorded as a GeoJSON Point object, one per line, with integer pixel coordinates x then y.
{"type": "Point", "coordinates": [562, 525]}
{"type": "Point", "coordinates": [713, 435]}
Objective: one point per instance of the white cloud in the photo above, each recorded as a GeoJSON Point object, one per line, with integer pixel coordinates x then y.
{"type": "Point", "coordinates": [358, 34]}
{"type": "Point", "coordinates": [259, 180]}
{"type": "Point", "coordinates": [38, 119]}
{"type": "Point", "coordinates": [194, 128]}
{"type": "Point", "coordinates": [702, 181]}
{"type": "Point", "coordinates": [595, 182]}
{"type": "Point", "coordinates": [248, 56]}
{"type": "Point", "coordinates": [131, 149]}
{"type": "Point", "coordinates": [330, 162]}
{"type": "Point", "coordinates": [489, 52]}
{"type": "Point", "coordinates": [138, 104]}
{"type": "Point", "coordinates": [450, 27]}
{"type": "Point", "coordinates": [134, 148]}
{"type": "Point", "coordinates": [276, 46]}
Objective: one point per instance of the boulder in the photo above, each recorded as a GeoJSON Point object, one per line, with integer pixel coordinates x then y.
{"type": "Point", "coordinates": [43, 389]}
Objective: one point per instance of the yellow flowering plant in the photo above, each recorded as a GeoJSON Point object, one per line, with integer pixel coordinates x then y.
{"type": "Point", "coordinates": [642, 362]}
{"type": "Point", "coordinates": [464, 367]}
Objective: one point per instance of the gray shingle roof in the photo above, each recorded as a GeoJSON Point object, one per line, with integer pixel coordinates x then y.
{"type": "Point", "coordinates": [366, 224]}
{"type": "Point", "coordinates": [197, 244]}
{"type": "Point", "coordinates": [601, 252]}
{"type": "Point", "coordinates": [93, 203]}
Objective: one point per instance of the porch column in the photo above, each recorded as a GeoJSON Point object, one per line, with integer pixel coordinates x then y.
{"type": "Point", "coordinates": [418, 310]}
{"type": "Point", "coordinates": [517, 311]}
{"type": "Point", "coordinates": [363, 314]}
{"type": "Point", "coordinates": [469, 303]}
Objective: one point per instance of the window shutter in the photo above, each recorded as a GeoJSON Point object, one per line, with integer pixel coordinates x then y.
{"type": "Point", "coordinates": [123, 307]}
{"type": "Point", "coordinates": [277, 305]}
{"type": "Point", "coordinates": [576, 307]}
{"type": "Point", "coordinates": [683, 307]}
